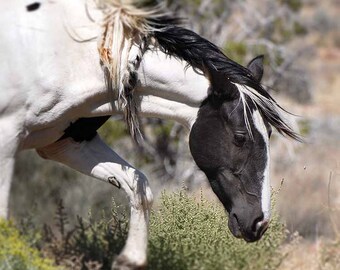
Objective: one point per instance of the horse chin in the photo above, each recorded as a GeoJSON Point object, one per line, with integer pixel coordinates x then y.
{"type": "Point", "coordinates": [234, 227]}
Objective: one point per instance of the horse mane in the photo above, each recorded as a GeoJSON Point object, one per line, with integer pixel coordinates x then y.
{"type": "Point", "coordinates": [203, 55]}
{"type": "Point", "coordinates": [128, 22]}
{"type": "Point", "coordinates": [125, 23]}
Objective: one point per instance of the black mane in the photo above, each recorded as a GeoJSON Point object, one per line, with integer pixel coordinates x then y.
{"type": "Point", "coordinates": [203, 55]}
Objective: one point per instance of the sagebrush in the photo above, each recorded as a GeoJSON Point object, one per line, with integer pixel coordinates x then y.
{"type": "Point", "coordinates": [189, 234]}
{"type": "Point", "coordinates": [186, 233]}
{"type": "Point", "coordinates": [17, 253]}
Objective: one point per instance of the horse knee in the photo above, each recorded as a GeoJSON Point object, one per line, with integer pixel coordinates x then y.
{"type": "Point", "coordinates": [144, 191]}
{"type": "Point", "coordinates": [139, 191]}
{"type": "Point", "coordinates": [148, 198]}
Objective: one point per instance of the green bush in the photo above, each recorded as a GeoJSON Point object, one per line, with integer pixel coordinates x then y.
{"type": "Point", "coordinates": [90, 244]}
{"type": "Point", "coordinates": [17, 254]}
{"type": "Point", "coordinates": [186, 234]}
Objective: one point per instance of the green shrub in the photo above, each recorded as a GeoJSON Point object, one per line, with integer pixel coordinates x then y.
{"type": "Point", "coordinates": [17, 254]}
{"type": "Point", "coordinates": [90, 244]}
{"type": "Point", "coordinates": [186, 234]}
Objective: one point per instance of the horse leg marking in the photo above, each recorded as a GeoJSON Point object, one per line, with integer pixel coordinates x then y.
{"type": "Point", "coordinates": [113, 181]}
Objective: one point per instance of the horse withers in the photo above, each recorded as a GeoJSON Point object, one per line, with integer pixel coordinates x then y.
{"type": "Point", "coordinates": [58, 86]}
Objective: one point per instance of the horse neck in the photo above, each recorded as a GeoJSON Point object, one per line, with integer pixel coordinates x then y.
{"type": "Point", "coordinates": [169, 89]}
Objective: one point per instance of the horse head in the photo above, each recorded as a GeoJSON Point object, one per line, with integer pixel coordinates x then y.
{"type": "Point", "coordinates": [230, 143]}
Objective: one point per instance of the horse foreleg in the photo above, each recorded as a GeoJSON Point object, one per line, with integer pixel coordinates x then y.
{"type": "Point", "coordinates": [96, 159]}
{"type": "Point", "coordinates": [6, 173]}
{"type": "Point", "coordinates": [8, 147]}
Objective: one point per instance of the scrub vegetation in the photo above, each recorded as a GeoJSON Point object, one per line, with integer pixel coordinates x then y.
{"type": "Point", "coordinates": [186, 233]}
{"type": "Point", "coordinates": [19, 252]}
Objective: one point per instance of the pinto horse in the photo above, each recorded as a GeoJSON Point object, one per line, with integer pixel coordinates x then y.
{"type": "Point", "coordinates": [58, 87]}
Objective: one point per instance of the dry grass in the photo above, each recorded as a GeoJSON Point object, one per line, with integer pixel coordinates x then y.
{"type": "Point", "coordinates": [321, 253]}
{"type": "Point", "coordinates": [304, 199]}
{"type": "Point", "coordinates": [310, 198]}
{"type": "Point", "coordinates": [304, 257]}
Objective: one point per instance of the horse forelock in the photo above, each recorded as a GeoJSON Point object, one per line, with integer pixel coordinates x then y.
{"type": "Point", "coordinates": [268, 108]}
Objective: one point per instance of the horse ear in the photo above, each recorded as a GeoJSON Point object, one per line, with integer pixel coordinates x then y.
{"type": "Point", "coordinates": [256, 67]}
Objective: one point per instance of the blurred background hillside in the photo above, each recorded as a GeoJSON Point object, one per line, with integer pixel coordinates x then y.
{"type": "Point", "coordinates": [301, 43]}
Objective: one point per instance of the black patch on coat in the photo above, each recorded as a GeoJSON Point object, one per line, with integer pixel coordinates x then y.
{"type": "Point", "coordinates": [84, 129]}
{"type": "Point", "coordinates": [33, 7]}
{"type": "Point", "coordinates": [113, 181]}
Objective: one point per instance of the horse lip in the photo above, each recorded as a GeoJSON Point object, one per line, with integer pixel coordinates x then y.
{"type": "Point", "coordinates": [235, 230]}
{"type": "Point", "coordinates": [238, 234]}
{"type": "Point", "coordinates": [248, 240]}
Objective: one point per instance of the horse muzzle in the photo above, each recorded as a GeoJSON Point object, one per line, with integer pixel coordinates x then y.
{"type": "Point", "coordinates": [251, 233]}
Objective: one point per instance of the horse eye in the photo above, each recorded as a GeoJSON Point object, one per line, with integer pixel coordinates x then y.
{"type": "Point", "coordinates": [270, 130]}
{"type": "Point", "coordinates": [270, 133]}
{"type": "Point", "coordinates": [240, 139]}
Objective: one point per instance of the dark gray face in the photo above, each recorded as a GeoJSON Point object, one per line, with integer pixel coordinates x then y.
{"type": "Point", "coordinates": [235, 164]}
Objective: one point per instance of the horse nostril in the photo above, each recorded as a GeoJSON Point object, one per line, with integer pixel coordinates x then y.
{"type": "Point", "coordinates": [251, 232]}
{"type": "Point", "coordinates": [257, 223]}
{"type": "Point", "coordinates": [259, 227]}
{"type": "Point", "coordinates": [262, 227]}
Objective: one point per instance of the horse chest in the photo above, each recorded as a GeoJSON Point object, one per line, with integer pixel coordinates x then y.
{"type": "Point", "coordinates": [44, 107]}
{"type": "Point", "coordinates": [50, 112]}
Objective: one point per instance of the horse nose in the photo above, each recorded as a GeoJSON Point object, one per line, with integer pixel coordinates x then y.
{"type": "Point", "coordinates": [254, 226]}
{"type": "Point", "coordinates": [250, 225]}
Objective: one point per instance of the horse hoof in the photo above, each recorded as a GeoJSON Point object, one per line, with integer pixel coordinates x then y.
{"type": "Point", "coordinates": [123, 263]}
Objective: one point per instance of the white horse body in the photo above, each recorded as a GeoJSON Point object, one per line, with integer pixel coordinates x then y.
{"type": "Point", "coordinates": [48, 81]}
